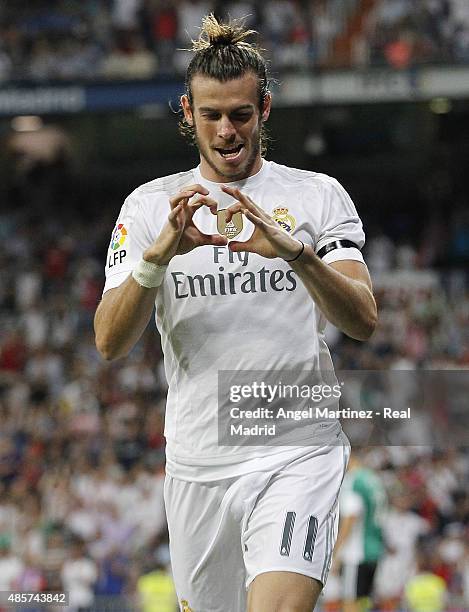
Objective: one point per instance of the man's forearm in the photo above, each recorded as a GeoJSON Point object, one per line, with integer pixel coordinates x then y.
{"type": "Point", "coordinates": [346, 302]}
{"type": "Point", "coordinates": [122, 317]}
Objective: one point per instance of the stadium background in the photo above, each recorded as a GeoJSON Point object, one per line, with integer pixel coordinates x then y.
{"type": "Point", "coordinates": [373, 92]}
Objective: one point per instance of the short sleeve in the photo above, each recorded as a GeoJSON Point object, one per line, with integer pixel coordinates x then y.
{"type": "Point", "coordinates": [130, 237]}
{"type": "Point", "coordinates": [340, 222]}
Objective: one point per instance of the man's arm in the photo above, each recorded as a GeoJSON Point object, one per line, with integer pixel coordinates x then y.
{"type": "Point", "coordinates": [346, 525]}
{"type": "Point", "coordinates": [124, 312]}
{"type": "Point", "coordinates": [342, 290]}
{"type": "Point", "coordinates": [122, 317]}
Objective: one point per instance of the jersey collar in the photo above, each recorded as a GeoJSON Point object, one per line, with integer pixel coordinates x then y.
{"type": "Point", "coordinates": [252, 181]}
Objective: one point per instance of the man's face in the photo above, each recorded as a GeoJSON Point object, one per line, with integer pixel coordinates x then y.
{"type": "Point", "coordinates": [227, 123]}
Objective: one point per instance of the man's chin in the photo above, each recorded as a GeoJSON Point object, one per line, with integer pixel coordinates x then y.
{"type": "Point", "coordinates": [233, 172]}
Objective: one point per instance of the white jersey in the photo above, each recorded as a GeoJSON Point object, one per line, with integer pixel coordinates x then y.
{"type": "Point", "coordinates": [217, 310]}
{"type": "Point", "coordinates": [351, 504]}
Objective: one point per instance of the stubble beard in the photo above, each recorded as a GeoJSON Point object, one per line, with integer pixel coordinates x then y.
{"type": "Point", "coordinates": [248, 165]}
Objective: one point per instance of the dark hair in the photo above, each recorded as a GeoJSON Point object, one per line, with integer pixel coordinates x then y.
{"type": "Point", "coordinates": [222, 52]}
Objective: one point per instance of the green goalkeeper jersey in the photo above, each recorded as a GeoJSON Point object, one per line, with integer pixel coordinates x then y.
{"type": "Point", "coordinates": [364, 496]}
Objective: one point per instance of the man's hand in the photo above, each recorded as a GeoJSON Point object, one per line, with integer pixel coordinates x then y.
{"type": "Point", "coordinates": [180, 235]}
{"type": "Point", "coordinates": [268, 238]}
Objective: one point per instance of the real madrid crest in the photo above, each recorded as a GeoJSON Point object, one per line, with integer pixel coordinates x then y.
{"type": "Point", "coordinates": [185, 606]}
{"type": "Point", "coordinates": [286, 221]}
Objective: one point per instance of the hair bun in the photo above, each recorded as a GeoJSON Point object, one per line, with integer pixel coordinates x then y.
{"type": "Point", "coordinates": [213, 33]}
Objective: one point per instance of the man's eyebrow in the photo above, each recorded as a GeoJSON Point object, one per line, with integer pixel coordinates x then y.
{"type": "Point", "coordinates": [208, 109]}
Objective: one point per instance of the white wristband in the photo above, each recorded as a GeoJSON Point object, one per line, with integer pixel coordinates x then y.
{"type": "Point", "coordinates": [148, 274]}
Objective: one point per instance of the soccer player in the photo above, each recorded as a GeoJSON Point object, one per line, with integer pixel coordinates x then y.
{"type": "Point", "coordinates": [360, 544]}
{"type": "Point", "coordinates": [252, 527]}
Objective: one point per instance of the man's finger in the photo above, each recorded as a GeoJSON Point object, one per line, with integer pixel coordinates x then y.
{"type": "Point", "coordinates": [253, 218]}
{"type": "Point", "coordinates": [247, 246]}
{"type": "Point", "coordinates": [204, 201]}
{"type": "Point", "coordinates": [180, 197]}
{"type": "Point", "coordinates": [187, 192]}
{"type": "Point", "coordinates": [197, 188]}
{"type": "Point", "coordinates": [233, 209]}
{"type": "Point", "coordinates": [235, 193]}
{"type": "Point", "coordinates": [245, 201]}
{"type": "Point", "coordinates": [175, 219]}
{"type": "Point", "coordinates": [174, 212]}
{"type": "Point", "coordinates": [213, 239]}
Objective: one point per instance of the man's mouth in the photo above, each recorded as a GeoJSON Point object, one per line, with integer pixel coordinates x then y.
{"type": "Point", "coordinates": [230, 153]}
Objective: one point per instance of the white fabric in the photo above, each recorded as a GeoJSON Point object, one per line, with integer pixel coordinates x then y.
{"type": "Point", "coordinates": [255, 314]}
{"type": "Point", "coordinates": [351, 504]}
{"type": "Point", "coordinates": [349, 580]}
{"type": "Point", "coordinates": [148, 275]}
{"type": "Point", "coordinates": [10, 570]}
{"type": "Point", "coordinates": [225, 533]}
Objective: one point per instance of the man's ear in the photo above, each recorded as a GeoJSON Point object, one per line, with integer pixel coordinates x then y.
{"type": "Point", "coordinates": [267, 106]}
{"type": "Point", "coordinates": [187, 109]}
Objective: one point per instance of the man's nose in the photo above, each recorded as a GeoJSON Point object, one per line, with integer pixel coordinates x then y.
{"type": "Point", "coordinates": [226, 129]}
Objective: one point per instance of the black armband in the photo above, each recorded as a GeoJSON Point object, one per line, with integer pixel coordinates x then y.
{"type": "Point", "coordinates": [337, 244]}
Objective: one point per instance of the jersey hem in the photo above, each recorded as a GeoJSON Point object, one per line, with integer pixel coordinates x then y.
{"type": "Point", "coordinates": [257, 463]}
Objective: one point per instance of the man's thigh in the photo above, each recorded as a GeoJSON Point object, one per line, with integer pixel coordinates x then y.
{"type": "Point", "coordinates": [205, 546]}
{"type": "Point", "coordinates": [283, 591]}
{"type": "Point", "coordinates": [292, 529]}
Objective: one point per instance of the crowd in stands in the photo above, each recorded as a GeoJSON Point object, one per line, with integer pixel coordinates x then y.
{"type": "Point", "coordinates": [82, 447]}
{"type": "Point", "coordinates": [81, 444]}
{"type": "Point", "coordinates": [42, 40]}
{"type": "Point", "coordinates": [404, 33]}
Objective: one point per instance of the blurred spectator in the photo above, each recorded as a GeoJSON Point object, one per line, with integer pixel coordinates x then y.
{"type": "Point", "coordinates": [11, 566]}
{"type": "Point", "coordinates": [360, 542]}
{"type": "Point", "coordinates": [425, 592]}
{"type": "Point", "coordinates": [126, 39]}
{"type": "Point", "coordinates": [402, 529]}
{"type": "Point", "coordinates": [190, 15]}
{"type": "Point", "coordinates": [156, 591]}
{"type": "Point", "coordinates": [124, 14]}
{"type": "Point", "coordinates": [79, 575]}
{"type": "Point", "coordinates": [6, 65]}
{"type": "Point", "coordinates": [164, 32]}
{"type": "Point", "coordinates": [133, 62]}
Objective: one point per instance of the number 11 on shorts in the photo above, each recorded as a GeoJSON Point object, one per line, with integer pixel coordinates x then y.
{"type": "Point", "coordinates": [287, 534]}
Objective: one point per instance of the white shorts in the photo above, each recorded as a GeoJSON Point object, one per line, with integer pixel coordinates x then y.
{"type": "Point", "coordinates": [225, 533]}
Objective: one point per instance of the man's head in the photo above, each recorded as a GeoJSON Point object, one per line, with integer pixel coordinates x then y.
{"type": "Point", "coordinates": [226, 101]}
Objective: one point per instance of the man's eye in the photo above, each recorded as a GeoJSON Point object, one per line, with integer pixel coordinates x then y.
{"type": "Point", "coordinates": [242, 116]}
{"type": "Point", "coordinates": [210, 116]}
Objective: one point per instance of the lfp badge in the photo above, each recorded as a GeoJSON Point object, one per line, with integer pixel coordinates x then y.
{"type": "Point", "coordinates": [286, 221]}
{"type": "Point", "coordinates": [118, 237]}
